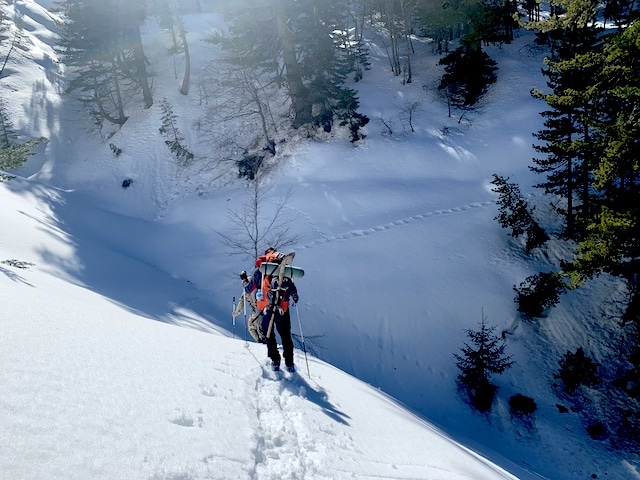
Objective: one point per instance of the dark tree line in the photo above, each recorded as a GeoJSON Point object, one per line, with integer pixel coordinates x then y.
{"type": "Point", "coordinates": [589, 162]}
{"type": "Point", "coordinates": [591, 139]}
{"type": "Point", "coordinates": [298, 45]}
{"type": "Point", "coordinates": [309, 49]}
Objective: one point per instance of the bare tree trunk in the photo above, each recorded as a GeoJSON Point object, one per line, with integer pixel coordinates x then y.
{"type": "Point", "coordinates": [187, 58]}
{"type": "Point", "coordinates": [97, 98]}
{"type": "Point", "coordinates": [394, 57]}
{"type": "Point", "coordinates": [355, 47]}
{"type": "Point", "coordinates": [297, 90]}
{"type": "Point", "coordinates": [406, 7]}
{"type": "Point", "coordinates": [141, 68]}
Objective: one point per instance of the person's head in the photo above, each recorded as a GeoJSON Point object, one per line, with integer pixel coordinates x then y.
{"type": "Point", "coordinates": [269, 250]}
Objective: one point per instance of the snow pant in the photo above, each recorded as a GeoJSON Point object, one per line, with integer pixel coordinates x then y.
{"type": "Point", "coordinates": [255, 327]}
{"type": "Point", "coordinates": [282, 323]}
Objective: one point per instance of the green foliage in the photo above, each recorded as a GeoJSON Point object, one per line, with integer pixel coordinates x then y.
{"type": "Point", "coordinates": [13, 153]}
{"type": "Point", "coordinates": [566, 140]}
{"type": "Point", "coordinates": [479, 361]}
{"type": "Point", "coordinates": [577, 369]}
{"type": "Point", "coordinates": [169, 129]}
{"type": "Point", "coordinates": [593, 143]}
{"type": "Point", "coordinates": [515, 213]}
{"type": "Point", "coordinates": [468, 73]}
{"type": "Point", "coordinates": [538, 293]}
{"type": "Point", "coordinates": [590, 141]}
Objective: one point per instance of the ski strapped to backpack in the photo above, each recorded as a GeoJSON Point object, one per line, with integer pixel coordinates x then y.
{"type": "Point", "coordinates": [286, 260]}
{"type": "Point", "coordinates": [270, 268]}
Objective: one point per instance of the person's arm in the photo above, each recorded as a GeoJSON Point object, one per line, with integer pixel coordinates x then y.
{"type": "Point", "coordinates": [240, 306]}
{"type": "Point", "coordinates": [292, 291]}
{"type": "Point", "coordinates": [254, 283]}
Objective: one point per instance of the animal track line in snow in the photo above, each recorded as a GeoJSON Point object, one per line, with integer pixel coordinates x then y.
{"type": "Point", "coordinates": [395, 223]}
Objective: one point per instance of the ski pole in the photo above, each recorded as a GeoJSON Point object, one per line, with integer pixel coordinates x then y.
{"type": "Point", "coordinates": [246, 323]}
{"type": "Point", "coordinates": [304, 347]}
{"type": "Point", "coordinates": [245, 299]}
{"type": "Point", "coordinates": [233, 317]}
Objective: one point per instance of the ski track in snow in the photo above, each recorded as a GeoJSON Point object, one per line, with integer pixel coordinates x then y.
{"type": "Point", "coordinates": [394, 224]}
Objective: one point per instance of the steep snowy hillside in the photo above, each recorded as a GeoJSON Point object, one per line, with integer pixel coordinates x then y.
{"type": "Point", "coordinates": [95, 389]}
{"type": "Point", "coordinates": [401, 253]}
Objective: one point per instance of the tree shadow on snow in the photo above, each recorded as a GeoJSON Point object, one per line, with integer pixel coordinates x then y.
{"type": "Point", "coordinates": [121, 258]}
{"type": "Point", "coordinates": [14, 276]}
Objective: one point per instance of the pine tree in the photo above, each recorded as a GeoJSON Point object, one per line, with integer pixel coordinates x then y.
{"type": "Point", "coordinates": [479, 361]}
{"type": "Point", "coordinates": [612, 240]}
{"type": "Point", "coordinates": [568, 137]}
{"type": "Point", "coordinates": [602, 84]}
{"type": "Point", "coordinates": [538, 293]}
{"type": "Point", "coordinates": [13, 153]}
{"type": "Point", "coordinates": [174, 140]}
{"type": "Point", "coordinates": [468, 73]}
{"type": "Point", "coordinates": [515, 213]}
{"type": "Point", "coordinates": [299, 45]}
{"type": "Point", "coordinates": [101, 40]}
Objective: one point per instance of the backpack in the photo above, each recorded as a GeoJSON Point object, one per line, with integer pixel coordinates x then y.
{"type": "Point", "coordinates": [270, 257]}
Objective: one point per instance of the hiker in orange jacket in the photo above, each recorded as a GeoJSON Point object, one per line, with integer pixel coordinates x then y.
{"type": "Point", "coordinates": [272, 300]}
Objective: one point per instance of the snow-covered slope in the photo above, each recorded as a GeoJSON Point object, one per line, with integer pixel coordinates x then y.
{"type": "Point", "coordinates": [401, 254]}
{"type": "Point", "coordinates": [94, 389]}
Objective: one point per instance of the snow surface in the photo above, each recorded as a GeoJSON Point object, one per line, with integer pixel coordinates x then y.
{"type": "Point", "coordinates": [118, 353]}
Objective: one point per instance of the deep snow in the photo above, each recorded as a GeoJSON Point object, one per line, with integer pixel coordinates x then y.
{"type": "Point", "coordinates": [401, 254]}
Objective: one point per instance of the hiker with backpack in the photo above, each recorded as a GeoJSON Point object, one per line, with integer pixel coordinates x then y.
{"type": "Point", "coordinates": [254, 323]}
{"type": "Point", "coordinates": [272, 302]}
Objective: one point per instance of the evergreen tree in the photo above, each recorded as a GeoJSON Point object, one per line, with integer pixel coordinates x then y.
{"type": "Point", "coordinates": [568, 141]}
{"type": "Point", "coordinates": [516, 214]}
{"type": "Point", "coordinates": [87, 44]}
{"type": "Point", "coordinates": [600, 87]}
{"type": "Point", "coordinates": [13, 152]}
{"type": "Point", "coordinates": [299, 44]}
{"type": "Point", "coordinates": [612, 242]}
{"type": "Point", "coordinates": [468, 73]}
{"type": "Point", "coordinates": [481, 360]}
{"type": "Point", "coordinates": [101, 40]}
{"type": "Point", "coordinates": [621, 12]}
{"type": "Point", "coordinates": [444, 20]}
{"type": "Point", "coordinates": [538, 293]}
{"type": "Point", "coordinates": [170, 130]}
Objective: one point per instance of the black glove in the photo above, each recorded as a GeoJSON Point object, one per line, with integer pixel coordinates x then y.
{"type": "Point", "coordinates": [243, 276]}
{"type": "Point", "coordinates": [295, 297]}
